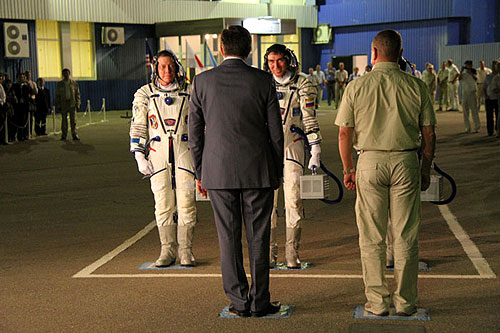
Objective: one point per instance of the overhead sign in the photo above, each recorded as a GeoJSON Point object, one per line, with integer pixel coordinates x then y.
{"type": "Point", "coordinates": [262, 25]}
{"type": "Point", "coordinates": [322, 34]}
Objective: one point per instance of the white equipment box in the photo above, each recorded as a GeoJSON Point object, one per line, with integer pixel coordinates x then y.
{"type": "Point", "coordinates": [199, 197]}
{"type": "Point", "coordinates": [434, 191]}
{"type": "Point", "coordinates": [314, 186]}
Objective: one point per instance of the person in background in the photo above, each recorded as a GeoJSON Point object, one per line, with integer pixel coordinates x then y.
{"type": "Point", "coordinates": [31, 100]}
{"type": "Point", "coordinates": [10, 105]}
{"type": "Point", "coordinates": [68, 102]}
{"type": "Point", "coordinates": [468, 77]}
{"type": "Point", "coordinates": [42, 108]}
{"type": "Point", "coordinates": [453, 75]}
{"type": "Point", "coordinates": [492, 83]}
{"type": "Point", "coordinates": [368, 69]}
{"type": "Point", "coordinates": [482, 72]}
{"type": "Point", "coordinates": [416, 72]}
{"type": "Point", "coordinates": [316, 81]}
{"type": "Point", "coordinates": [3, 112]}
{"type": "Point", "coordinates": [430, 79]}
{"type": "Point", "coordinates": [442, 81]}
{"type": "Point", "coordinates": [330, 82]}
{"type": "Point", "coordinates": [23, 94]}
{"type": "Point", "coordinates": [322, 79]}
{"type": "Point", "coordinates": [341, 78]}
{"type": "Point", "coordinates": [355, 75]}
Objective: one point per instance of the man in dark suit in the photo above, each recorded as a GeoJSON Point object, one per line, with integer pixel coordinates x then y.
{"type": "Point", "coordinates": [236, 140]}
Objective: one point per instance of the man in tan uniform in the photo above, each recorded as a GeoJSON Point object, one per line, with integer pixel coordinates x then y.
{"type": "Point", "coordinates": [68, 102]}
{"type": "Point", "coordinates": [382, 115]}
{"type": "Point", "coordinates": [341, 77]}
{"type": "Point", "coordinates": [443, 87]}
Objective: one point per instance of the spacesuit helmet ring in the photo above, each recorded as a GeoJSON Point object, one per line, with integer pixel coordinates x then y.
{"type": "Point", "coordinates": [290, 58]}
{"type": "Point", "coordinates": [180, 74]}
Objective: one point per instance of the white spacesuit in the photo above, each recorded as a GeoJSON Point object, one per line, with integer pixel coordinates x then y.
{"type": "Point", "coordinates": [159, 140]}
{"type": "Point", "coordinates": [296, 95]}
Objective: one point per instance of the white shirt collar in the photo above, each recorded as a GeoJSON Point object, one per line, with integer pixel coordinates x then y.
{"type": "Point", "coordinates": [284, 79]}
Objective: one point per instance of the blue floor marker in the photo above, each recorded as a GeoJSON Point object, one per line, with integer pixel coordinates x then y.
{"type": "Point", "coordinates": [281, 266]}
{"type": "Point", "coordinates": [360, 313]}
{"type": "Point", "coordinates": [151, 266]}
{"type": "Point", "coordinates": [422, 267]}
{"type": "Point", "coordinates": [284, 312]}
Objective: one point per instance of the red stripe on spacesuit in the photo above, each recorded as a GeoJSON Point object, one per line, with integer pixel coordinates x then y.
{"type": "Point", "coordinates": [297, 140]}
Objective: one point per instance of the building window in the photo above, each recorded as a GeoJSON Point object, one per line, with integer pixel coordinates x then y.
{"type": "Point", "coordinates": [48, 49]}
{"type": "Point", "coordinates": [82, 50]}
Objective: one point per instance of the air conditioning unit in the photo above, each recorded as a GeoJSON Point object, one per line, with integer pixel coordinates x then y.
{"type": "Point", "coordinates": [113, 35]}
{"type": "Point", "coordinates": [322, 34]}
{"type": "Point", "coordinates": [16, 40]}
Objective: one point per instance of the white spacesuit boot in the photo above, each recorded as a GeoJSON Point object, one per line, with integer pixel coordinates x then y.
{"type": "Point", "coordinates": [185, 239]}
{"type": "Point", "coordinates": [168, 239]}
{"type": "Point", "coordinates": [292, 247]}
{"type": "Point", "coordinates": [273, 249]}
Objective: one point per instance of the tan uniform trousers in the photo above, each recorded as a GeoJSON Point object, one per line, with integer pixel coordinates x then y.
{"type": "Point", "coordinates": [453, 94]}
{"type": "Point", "coordinates": [165, 198]}
{"type": "Point", "coordinates": [291, 191]}
{"type": "Point", "coordinates": [65, 110]}
{"type": "Point", "coordinates": [388, 184]}
{"type": "Point", "coordinates": [469, 106]}
{"type": "Point", "coordinates": [339, 92]}
{"type": "Point", "coordinates": [443, 95]}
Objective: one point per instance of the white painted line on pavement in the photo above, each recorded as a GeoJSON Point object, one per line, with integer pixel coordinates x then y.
{"type": "Point", "coordinates": [468, 245]}
{"type": "Point", "coordinates": [301, 276]}
{"type": "Point", "coordinates": [87, 271]}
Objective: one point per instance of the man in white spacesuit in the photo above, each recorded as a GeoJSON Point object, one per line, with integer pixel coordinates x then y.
{"type": "Point", "coordinates": [296, 95]}
{"type": "Point", "coordinates": [159, 141]}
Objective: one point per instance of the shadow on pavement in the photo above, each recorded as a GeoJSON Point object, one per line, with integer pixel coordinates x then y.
{"type": "Point", "coordinates": [77, 146]}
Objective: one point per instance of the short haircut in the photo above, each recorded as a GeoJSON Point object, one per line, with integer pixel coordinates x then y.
{"type": "Point", "coordinates": [236, 41]}
{"type": "Point", "coordinates": [66, 70]}
{"type": "Point", "coordinates": [450, 61]}
{"type": "Point", "coordinates": [388, 44]}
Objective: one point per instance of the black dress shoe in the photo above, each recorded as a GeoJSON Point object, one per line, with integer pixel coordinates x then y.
{"type": "Point", "coordinates": [404, 314]}
{"type": "Point", "coordinates": [234, 312]}
{"type": "Point", "coordinates": [272, 308]}
{"type": "Point", "coordinates": [63, 138]}
{"type": "Point", "coordinates": [76, 138]}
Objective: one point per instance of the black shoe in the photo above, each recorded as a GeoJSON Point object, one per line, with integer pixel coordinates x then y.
{"type": "Point", "coordinates": [272, 308]}
{"type": "Point", "coordinates": [404, 314]}
{"type": "Point", "coordinates": [382, 314]}
{"type": "Point", "coordinates": [63, 138]}
{"type": "Point", "coordinates": [76, 138]}
{"type": "Point", "coordinates": [234, 312]}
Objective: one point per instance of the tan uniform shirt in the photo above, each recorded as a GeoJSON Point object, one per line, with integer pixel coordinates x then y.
{"type": "Point", "coordinates": [443, 75]}
{"type": "Point", "coordinates": [482, 73]}
{"type": "Point", "coordinates": [341, 76]}
{"type": "Point", "coordinates": [453, 71]}
{"type": "Point", "coordinates": [386, 107]}
{"type": "Point", "coordinates": [430, 80]}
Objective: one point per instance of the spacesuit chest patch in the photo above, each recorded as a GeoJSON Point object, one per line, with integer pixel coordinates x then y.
{"type": "Point", "coordinates": [153, 122]}
{"type": "Point", "coordinates": [170, 122]}
{"type": "Point", "coordinates": [309, 103]}
{"type": "Point", "coordinates": [296, 112]}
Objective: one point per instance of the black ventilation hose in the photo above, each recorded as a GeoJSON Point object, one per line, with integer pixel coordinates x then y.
{"type": "Point", "coordinates": [453, 187]}
{"type": "Point", "coordinates": [300, 132]}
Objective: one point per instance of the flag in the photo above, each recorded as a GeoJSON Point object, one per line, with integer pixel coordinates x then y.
{"type": "Point", "coordinates": [192, 59]}
{"type": "Point", "coordinates": [149, 56]}
{"type": "Point", "coordinates": [213, 63]}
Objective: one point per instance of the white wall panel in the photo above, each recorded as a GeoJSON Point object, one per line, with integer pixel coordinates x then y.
{"type": "Point", "coordinates": [132, 11]}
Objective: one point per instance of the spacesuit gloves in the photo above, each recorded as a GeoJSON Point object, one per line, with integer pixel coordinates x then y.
{"type": "Point", "coordinates": [145, 167]}
{"type": "Point", "coordinates": [314, 160]}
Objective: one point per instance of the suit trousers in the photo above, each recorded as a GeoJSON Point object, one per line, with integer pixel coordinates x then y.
{"type": "Point", "coordinates": [388, 186]}
{"type": "Point", "coordinates": [64, 121]}
{"type": "Point", "coordinates": [492, 116]}
{"type": "Point", "coordinates": [330, 91]}
{"type": "Point", "coordinates": [253, 207]}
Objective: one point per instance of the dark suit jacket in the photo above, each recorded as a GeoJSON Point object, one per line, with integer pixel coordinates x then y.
{"type": "Point", "coordinates": [242, 146]}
